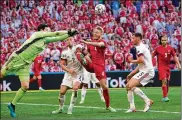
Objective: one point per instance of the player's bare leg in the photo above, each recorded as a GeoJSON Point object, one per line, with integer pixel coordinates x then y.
{"type": "Point", "coordinates": [19, 94]}
{"type": "Point", "coordinates": [100, 91]}
{"type": "Point", "coordinates": [83, 92]}
{"type": "Point", "coordinates": [131, 86]}
{"type": "Point", "coordinates": [106, 95]}
{"type": "Point", "coordinates": [74, 96]}
{"type": "Point", "coordinates": [61, 99]}
{"type": "Point", "coordinates": [165, 91]}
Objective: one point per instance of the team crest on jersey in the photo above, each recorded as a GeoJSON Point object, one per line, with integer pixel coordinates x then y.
{"type": "Point", "coordinates": [102, 73]}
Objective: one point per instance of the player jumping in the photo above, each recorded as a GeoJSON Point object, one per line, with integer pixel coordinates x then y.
{"type": "Point", "coordinates": [96, 64]}
{"type": "Point", "coordinates": [164, 53]}
{"type": "Point", "coordinates": [141, 75]}
{"type": "Point", "coordinates": [20, 60]}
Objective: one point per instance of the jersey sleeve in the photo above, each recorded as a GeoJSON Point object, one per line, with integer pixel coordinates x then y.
{"type": "Point", "coordinates": [155, 52]}
{"type": "Point", "coordinates": [41, 34]}
{"type": "Point", "coordinates": [140, 51]}
{"type": "Point", "coordinates": [55, 39]}
{"type": "Point", "coordinates": [173, 52]}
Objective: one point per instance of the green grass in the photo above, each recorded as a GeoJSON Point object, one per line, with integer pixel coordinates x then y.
{"type": "Point", "coordinates": [49, 99]}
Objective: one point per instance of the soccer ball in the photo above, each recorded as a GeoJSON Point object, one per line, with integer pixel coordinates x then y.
{"type": "Point", "coordinates": [100, 9]}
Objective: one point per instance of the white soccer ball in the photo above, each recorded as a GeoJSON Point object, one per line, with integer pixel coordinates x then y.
{"type": "Point", "coordinates": [100, 9]}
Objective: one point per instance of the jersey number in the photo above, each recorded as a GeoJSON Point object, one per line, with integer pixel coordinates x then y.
{"type": "Point", "coordinates": [140, 74]}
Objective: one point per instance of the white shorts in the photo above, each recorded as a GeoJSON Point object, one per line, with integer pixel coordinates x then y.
{"type": "Point", "coordinates": [144, 77]}
{"type": "Point", "coordinates": [87, 77]}
{"type": "Point", "coordinates": [69, 80]}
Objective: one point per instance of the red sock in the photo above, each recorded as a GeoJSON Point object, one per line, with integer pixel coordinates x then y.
{"type": "Point", "coordinates": [167, 86]}
{"type": "Point", "coordinates": [39, 82]}
{"type": "Point", "coordinates": [31, 80]}
{"type": "Point", "coordinates": [106, 97]}
{"type": "Point", "coordinates": [164, 90]}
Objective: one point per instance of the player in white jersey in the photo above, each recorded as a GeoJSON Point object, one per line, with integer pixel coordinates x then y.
{"type": "Point", "coordinates": [142, 74]}
{"type": "Point", "coordinates": [72, 77]}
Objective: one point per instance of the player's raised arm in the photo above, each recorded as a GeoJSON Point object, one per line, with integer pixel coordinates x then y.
{"type": "Point", "coordinates": [60, 37]}
{"type": "Point", "coordinates": [97, 44]}
{"type": "Point", "coordinates": [45, 31]}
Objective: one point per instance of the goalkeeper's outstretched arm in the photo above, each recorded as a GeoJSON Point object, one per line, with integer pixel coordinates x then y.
{"type": "Point", "coordinates": [56, 38]}
{"type": "Point", "coordinates": [42, 34]}
{"type": "Point", "coordinates": [60, 37]}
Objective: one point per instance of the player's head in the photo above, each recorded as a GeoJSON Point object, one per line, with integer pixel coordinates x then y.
{"type": "Point", "coordinates": [70, 42]}
{"type": "Point", "coordinates": [97, 33]}
{"type": "Point", "coordinates": [136, 38]}
{"type": "Point", "coordinates": [163, 40]}
{"type": "Point", "coordinates": [43, 27]}
{"type": "Point", "coordinates": [78, 48]}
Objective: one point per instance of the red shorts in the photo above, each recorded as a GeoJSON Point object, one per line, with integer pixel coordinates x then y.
{"type": "Point", "coordinates": [164, 73]}
{"type": "Point", "coordinates": [36, 72]}
{"type": "Point", "coordinates": [99, 70]}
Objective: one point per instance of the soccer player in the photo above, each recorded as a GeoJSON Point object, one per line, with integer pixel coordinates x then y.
{"type": "Point", "coordinates": [72, 77]}
{"type": "Point", "coordinates": [141, 75]}
{"type": "Point", "coordinates": [96, 49]}
{"type": "Point", "coordinates": [164, 53]}
{"type": "Point", "coordinates": [87, 77]}
{"type": "Point", "coordinates": [20, 60]}
{"type": "Point", "coordinates": [37, 68]}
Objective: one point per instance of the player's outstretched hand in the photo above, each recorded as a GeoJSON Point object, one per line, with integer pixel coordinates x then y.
{"type": "Point", "coordinates": [72, 32]}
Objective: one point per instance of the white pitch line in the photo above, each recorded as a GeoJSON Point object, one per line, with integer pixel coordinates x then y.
{"type": "Point", "coordinates": [91, 107]}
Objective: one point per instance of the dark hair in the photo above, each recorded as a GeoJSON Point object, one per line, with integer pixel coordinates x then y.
{"type": "Point", "coordinates": [138, 35]}
{"type": "Point", "coordinates": [42, 27]}
{"type": "Point", "coordinates": [160, 38]}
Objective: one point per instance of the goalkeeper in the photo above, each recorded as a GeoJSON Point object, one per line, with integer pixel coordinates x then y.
{"type": "Point", "coordinates": [20, 60]}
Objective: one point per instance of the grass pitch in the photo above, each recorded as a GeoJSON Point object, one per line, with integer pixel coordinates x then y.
{"type": "Point", "coordinates": [38, 105]}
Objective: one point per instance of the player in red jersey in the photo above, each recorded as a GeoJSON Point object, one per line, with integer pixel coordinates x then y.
{"type": "Point", "coordinates": [37, 68]}
{"type": "Point", "coordinates": [164, 53]}
{"type": "Point", "coordinates": [96, 64]}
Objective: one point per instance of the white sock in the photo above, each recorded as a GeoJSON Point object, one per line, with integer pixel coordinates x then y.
{"type": "Point", "coordinates": [100, 92]}
{"type": "Point", "coordinates": [131, 99]}
{"type": "Point", "coordinates": [73, 99]}
{"type": "Point", "coordinates": [83, 93]}
{"type": "Point", "coordinates": [61, 100]}
{"type": "Point", "coordinates": [140, 93]}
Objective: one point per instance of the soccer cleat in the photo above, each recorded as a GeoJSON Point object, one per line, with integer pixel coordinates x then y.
{"type": "Point", "coordinates": [148, 105]}
{"type": "Point", "coordinates": [82, 101]}
{"type": "Point", "coordinates": [111, 109]}
{"type": "Point", "coordinates": [57, 111]}
{"type": "Point", "coordinates": [131, 110]}
{"type": "Point", "coordinates": [41, 89]}
{"type": "Point", "coordinates": [12, 110]}
{"type": "Point", "coordinates": [166, 99]}
{"type": "Point", "coordinates": [69, 111]}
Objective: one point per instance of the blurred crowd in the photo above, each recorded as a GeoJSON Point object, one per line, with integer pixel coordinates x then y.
{"type": "Point", "coordinates": [122, 18]}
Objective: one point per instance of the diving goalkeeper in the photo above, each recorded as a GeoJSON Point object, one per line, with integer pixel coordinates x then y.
{"type": "Point", "coordinates": [20, 60]}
